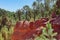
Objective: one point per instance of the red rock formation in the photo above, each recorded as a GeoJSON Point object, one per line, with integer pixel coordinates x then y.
{"type": "Point", "coordinates": [25, 30]}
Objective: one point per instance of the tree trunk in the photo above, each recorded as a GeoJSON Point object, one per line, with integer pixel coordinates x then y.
{"type": "Point", "coordinates": [34, 16]}
{"type": "Point", "coordinates": [26, 16]}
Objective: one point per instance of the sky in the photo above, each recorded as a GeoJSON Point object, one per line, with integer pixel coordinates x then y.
{"type": "Point", "coordinates": [13, 5]}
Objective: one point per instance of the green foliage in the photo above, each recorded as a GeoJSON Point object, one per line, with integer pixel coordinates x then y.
{"type": "Point", "coordinates": [4, 31]}
{"type": "Point", "coordinates": [47, 33]}
{"type": "Point", "coordinates": [1, 38]}
{"type": "Point", "coordinates": [39, 9]}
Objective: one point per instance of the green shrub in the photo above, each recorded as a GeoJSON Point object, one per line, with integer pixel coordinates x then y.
{"type": "Point", "coordinates": [47, 33]}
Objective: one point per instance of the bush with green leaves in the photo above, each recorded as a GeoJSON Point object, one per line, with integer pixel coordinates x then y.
{"type": "Point", "coordinates": [5, 32]}
{"type": "Point", "coordinates": [47, 33]}
{"type": "Point", "coordinates": [1, 38]}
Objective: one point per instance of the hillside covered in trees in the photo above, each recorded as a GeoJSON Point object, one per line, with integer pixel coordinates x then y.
{"type": "Point", "coordinates": [40, 8]}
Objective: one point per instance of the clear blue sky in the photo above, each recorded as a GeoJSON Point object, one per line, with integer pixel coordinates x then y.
{"type": "Point", "coordinates": [13, 5]}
